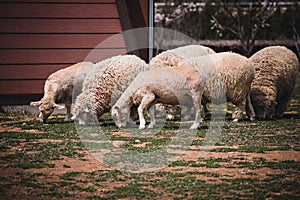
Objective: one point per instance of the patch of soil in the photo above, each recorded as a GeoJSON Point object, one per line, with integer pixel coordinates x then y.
{"type": "Point", "coordinates": [269, 155]}
{"type": "Point", "coordinates": [89, 163]}
{"type": "Point", "coordinates": [17, 129]}
{"type": "Point", "coordinates": [118, 143]}
{"type": "Point", "coordinates": [66, 164]}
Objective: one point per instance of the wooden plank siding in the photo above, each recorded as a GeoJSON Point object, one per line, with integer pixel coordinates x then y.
{"type": "Point", "coordinates": [134, 15]}
{"type": "Point", "coordinates": [50, 41]}
{"type": "Point", "coordinates": [39, 37]}
{"type": "Point", "coordinates": [42, 10]}
{"type": "Point", "coordinates": [60, 1]}
{"type": "Point", "coordinates": [49, 26]}
{"type": "Point", "coordinates": [55, 56]}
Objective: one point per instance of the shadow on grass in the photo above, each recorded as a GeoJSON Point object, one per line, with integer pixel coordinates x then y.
{"type": "Point", "coordinates": [291, 116]}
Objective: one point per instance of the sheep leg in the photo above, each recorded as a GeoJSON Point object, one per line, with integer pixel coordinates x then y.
{"type": "Point", "coordinates": [146, 101]}
{"type": "Point", "coordinates": [204, 104]}
{"type": "Point", "coordinates": [187, 114]}
{"type": "Point", "coordinates": [68, 115]}
{"type": "Point", "coordinates": [282, 104]}
{"type": "Point", "coordinates": [197, 105]}
{"type": "Point", "coordinates": [238, 112]}
{"type": "Point", "coordinates": [249, 109]}
{"type": "Point", "coordinates": [152, 117]}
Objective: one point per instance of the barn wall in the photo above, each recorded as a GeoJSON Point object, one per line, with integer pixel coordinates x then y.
{"type": "Point", "coordinates": [38, 37]}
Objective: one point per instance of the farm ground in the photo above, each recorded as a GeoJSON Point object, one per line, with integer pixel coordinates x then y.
{"type": "Point", "coordinates": [252, 160]}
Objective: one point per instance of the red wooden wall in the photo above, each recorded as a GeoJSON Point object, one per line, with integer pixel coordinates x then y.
{"type": "Point", "coordinates": [39, 37]}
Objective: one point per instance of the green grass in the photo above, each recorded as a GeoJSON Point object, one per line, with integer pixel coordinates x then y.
{"type": "Point", "coordinates": [132, 190]}
{"type": "Point", "coordinates": [241, 172]}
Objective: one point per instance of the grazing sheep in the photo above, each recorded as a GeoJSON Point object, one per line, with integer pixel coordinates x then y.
{"type": "Point", "coordinates": [58, 89]}
{"type": "Point", "coordinates": [104, 86]}
{"type": "Point", "coordinates": [165, 85]}
{"type": "Point", "coordinates": [276, 69]}
{"type": "Point", "coordinates": [228, 75]}
{"type": "Point", "coordinates": [171, 58]}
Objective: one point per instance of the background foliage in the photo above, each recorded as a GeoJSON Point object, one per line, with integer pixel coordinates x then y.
{"type": "Point", "coordinates": [196, 19]}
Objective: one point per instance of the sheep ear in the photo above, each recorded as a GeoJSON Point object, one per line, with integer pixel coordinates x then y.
{"type": "Point", "coordinates": [59, 106]}
{"type": "Point", "coordinates": [115, 110]}
{"type": "Point", "coordinates": [35, 103]}
{"type": "Point", "coordinates": [74, 117]}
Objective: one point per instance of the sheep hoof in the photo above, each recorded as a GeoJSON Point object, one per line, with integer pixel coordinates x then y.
{"type": "Point", "coordinates": [252, 119]}
{"type": "Point", "coordinates": [68, 120]}
{"type": "Point", "coordinates": [235, 120]}
{"type": "Point", "coordinates": [194, 126]}
{"type": "Point", "coordinates": [186, 117]}
{"type": "Point", "coordinates": [151, 126]}
{"type": "Point", "coordinates": [170, 117]}
{"type": "Point", "coordinates": [141, 127]}
{"type": "Point", "coordinates": [82, 123]}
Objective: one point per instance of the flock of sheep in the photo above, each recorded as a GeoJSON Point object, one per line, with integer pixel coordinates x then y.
{"type": "Point", "coordinates": [192, 75]}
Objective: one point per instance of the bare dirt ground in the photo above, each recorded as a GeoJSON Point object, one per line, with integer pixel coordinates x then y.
{"type": "Point", "coordinates": [259, 160]}
{"type": "Point", "coordinates": [251, 160]}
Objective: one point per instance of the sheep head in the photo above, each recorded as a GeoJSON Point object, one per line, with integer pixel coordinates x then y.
{"type": "Point", "coordinates": [119, 116]}
{"type": "Point", "coordinates": [46, 108]}
{"type": "Point", "coordinates": [84, 117]}
{"type": "Point", "coordinates": [263, 104]}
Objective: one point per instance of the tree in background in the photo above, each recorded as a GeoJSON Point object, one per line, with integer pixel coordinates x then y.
{"type": "Point", "coordinates": [293, 16]}
{"type": "Point", "coordinates": [243, 20]}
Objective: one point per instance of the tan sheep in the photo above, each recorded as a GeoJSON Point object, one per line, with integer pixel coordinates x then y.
{"type": "Point", "coordinates": [229, 77]}
{"type": "Point", "coordinates": [165, 85]}
{"type": "Point", "coordinates": [276, 69]}
{"type": "Point", "coordinates": [171, 58]}
{"type": "Point", "coordinates": [58, 88]}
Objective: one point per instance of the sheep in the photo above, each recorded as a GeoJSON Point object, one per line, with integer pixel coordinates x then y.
{"type": "Point", "coordinates": [277, 69]}
{"type": "Point", "coordinates": [58, 88]}
{"type": "Point", "coordinates": [174, 56]}
{"type": "Point", "coordinates": [160, 85]}
{"type": "Point", "coordinates": [104, 86]}
{"type": "Point", "coordinates": [171, 58]}
{"type": "Point", "coordinates": [229, 76]}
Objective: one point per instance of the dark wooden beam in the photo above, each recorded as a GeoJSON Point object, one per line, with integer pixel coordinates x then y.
{"type": "Point", "coordinates": [132, 16]}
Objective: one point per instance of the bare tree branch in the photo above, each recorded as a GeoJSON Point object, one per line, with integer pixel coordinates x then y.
{"type": "Point", "coordinates": [257, 14]}
{"type": "Point", "coordinates": [293, 25]}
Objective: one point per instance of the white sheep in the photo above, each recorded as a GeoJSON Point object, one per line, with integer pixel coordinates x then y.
{"type": "Point", "coordinates": [104, 86]}
{"type": "Point", "coordinates": [229, 76]}
{"type": "Point", "coordinates": [58, 88]}
{"type": "Point", "coordinates": [171, 58]}
{"type": "Point", "coordinates": [165, 85]}
{"type": "Point", "coordinates": [277, 69]}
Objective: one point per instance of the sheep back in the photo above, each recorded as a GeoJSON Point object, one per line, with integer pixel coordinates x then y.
{"type": "Point", "coordinates": [84, 89]}
{"type": "Point", "coordinates": [63, 80]}
{"type": "Point", "coordinates": [114, 80]}
{"type": "Point", "coordinates": [277, 69]}
{"type": "Point", "coordinates": [84, 97]}
{"type": "Point", "coordinates": [193, 50]}
{"type": "Point", "coordinates": [92, 76]}
{"type": "Point", "coordinates": [165, 82]}
{"type": "Point", "coordinates": [226, 72]}
{"type": "Point", "coordinates": [172, 57]}
{"type": "Point", "coordinates": [237, 74]}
